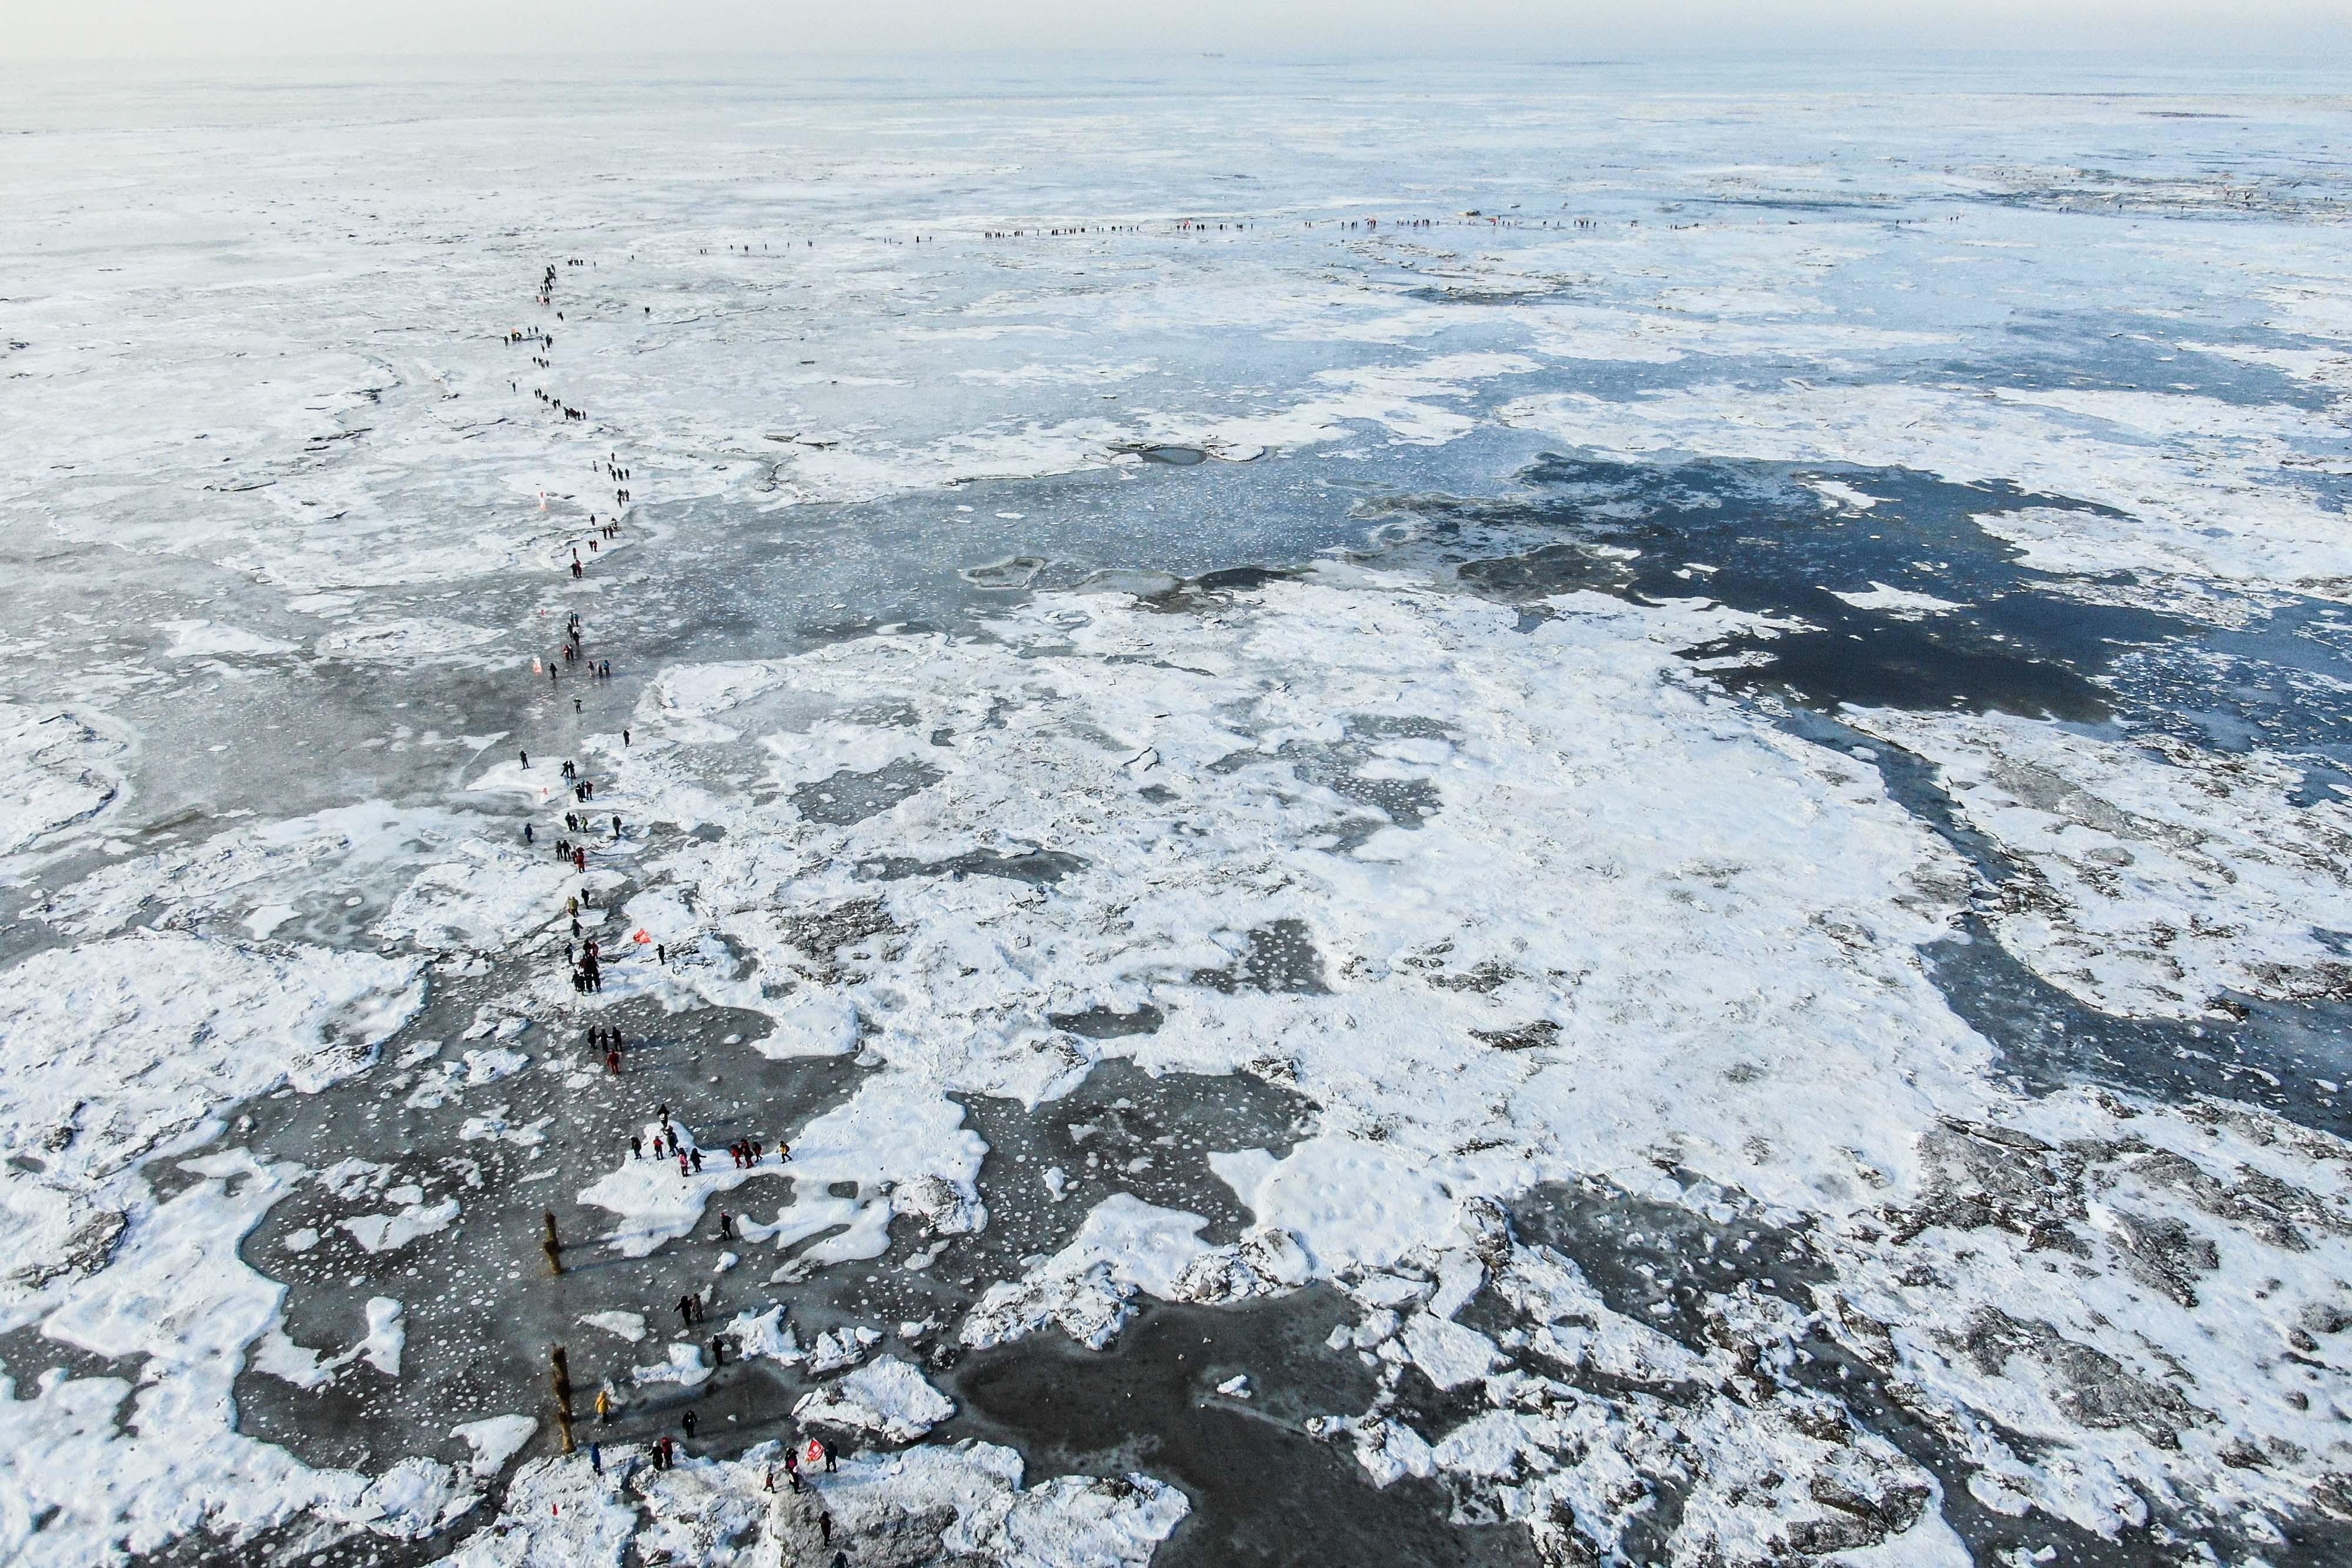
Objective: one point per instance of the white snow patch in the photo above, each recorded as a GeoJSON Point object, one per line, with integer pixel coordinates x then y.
{"type": "Point", "coordinates": [202, 639]}
{"type": "Point", "coordinates": [1903, 602]}
{"type": "Point", "coordinates": [1352, 1204]}
{"type": "Point", "coordinates": [115, 1051]}
{"type": "Point", "coordinates": [684, 1366]}
{"type": "Point", "coordinates": [886, 1396]}
{"type": "Point", "coordinates": [630, 1326]}
{"type": "Point", "coordinates": [2157, 876]}
{"type": "Point", "coordinates": [403, 642]}
{"type": "Point", "coordinates": [495, 1440]}
{"type": "Point", "coordinates": [390, 1232]}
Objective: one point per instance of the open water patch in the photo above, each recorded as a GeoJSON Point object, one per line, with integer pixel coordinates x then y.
{"type": "Point", "coordinates": [1262, 1491]}
{"type": "Point", "coordinates": [2281, 683]}
{"type": "Point", "coordinates": [1902, 600]}
{"type": "Point", "coordinates": [1109, 1023]}
{"type": "Point", "coordinates": [847, 798]}
{"type": "Point", "coordinates": [431, 1177]}
{"type": "Point", "coordinates": [1280, 957]}
{"type": "Point", "coordinates": [1659, 1263]}
{"type": "Point", "coordinates": [1038, 868]}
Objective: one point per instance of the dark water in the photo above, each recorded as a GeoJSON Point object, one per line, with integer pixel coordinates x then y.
{"type": "Point", "coordinates": [482, 1310]}
{"type": "Point", "coordinates": [1752, 537]}
{"type": "Point", "coordinates": [2273, 674]}
{"type": "Point", "coordinates": [1262, 1491]}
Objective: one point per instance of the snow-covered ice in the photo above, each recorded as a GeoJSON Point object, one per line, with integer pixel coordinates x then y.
{"type": "Point", "coordinates": [494, 1440]}
{"type": "Point", "coordinates": [885, 1397]}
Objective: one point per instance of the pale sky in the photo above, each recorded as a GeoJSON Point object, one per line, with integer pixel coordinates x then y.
{"type": "Point", "coordinates": [160, 30]}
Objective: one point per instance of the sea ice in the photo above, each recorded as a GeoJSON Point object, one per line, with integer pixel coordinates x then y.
{"type": "Point", "coordinates": [2154, 878]}
{"type": "Point", "coordinates": [886, 1396]}
{"type": "Point", "coordinates": [1517, 905]}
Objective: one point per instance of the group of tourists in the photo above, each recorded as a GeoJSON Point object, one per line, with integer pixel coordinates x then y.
{"type": "Point", "coordinates": [586, 955]}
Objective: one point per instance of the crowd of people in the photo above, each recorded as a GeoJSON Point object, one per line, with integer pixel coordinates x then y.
{"type": "Point", "coordinates": [586, 953]}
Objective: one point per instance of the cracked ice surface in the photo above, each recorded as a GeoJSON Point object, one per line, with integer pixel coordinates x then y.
{"type": "Point", "coordinates": [1675, 1209]}
{"type": "Point", "coordinates": [1692, 905]}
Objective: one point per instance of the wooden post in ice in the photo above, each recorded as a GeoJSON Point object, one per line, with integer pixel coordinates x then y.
{"type": "Point", "coordinates": [563, 1395]}
{"type": "Point", "coordinates": [553, 1247]}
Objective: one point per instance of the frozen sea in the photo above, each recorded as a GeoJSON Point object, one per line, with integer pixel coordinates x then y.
{"type": "Point", "coordinates": [1543, 811]}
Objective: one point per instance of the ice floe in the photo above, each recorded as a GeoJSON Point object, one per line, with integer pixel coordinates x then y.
{"type": "Point", "coordinates": [58, 771]}
{"type": "Point", "coordinates": [886, 1396]}
{"type": "Point", "coordinates": [2153, 878]}
{"type": "Point", "coordinates": [1902, 602]}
